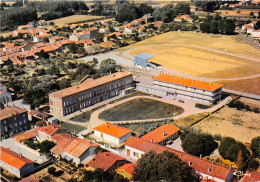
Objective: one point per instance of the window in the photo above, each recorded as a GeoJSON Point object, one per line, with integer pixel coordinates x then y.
{"type": "Point", "coordinates": [24, 121]}
{"type": "Point", "coordinates": [15, 124]}
{"type": "Point", "coordinates": [15, 118]}
{"type": "Point", "coordinates": [24, 115]}
{"type": "Point", "coordinates": [4, 121]}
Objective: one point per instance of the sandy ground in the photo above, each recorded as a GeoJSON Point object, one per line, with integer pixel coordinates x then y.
{"type": "Point", "coordinates": [250, 102]}
{"type": "Point", "coordinates": [241, 125]}
{"type": "Point", "coordinates": [198, 62]}
{"type": "Point", "coordinates": [70, 19]}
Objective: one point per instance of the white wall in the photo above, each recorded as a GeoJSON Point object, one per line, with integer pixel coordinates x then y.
{"type": "Point", "coordinates": [112, 138]}
{"type": "Point", "coordinates": [134, 153]}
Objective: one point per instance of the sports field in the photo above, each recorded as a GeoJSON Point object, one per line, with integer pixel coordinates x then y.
{"type": "Point", "coordinates": [60, 22]}
{"type": "Point", "coordinates": [182, 52]}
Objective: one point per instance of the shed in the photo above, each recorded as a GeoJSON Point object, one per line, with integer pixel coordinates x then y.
{"type": "Point", "coordinates": [142, 59]}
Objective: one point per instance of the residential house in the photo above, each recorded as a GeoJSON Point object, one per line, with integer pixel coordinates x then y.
{"type": "Point", "coordinates": [135, 147]}
{"type": "Point", "coordinates": [46, 132]}
{"type": "Point", "coordinates": [129, 30]}
{"type": "Point", "coordinates": [251, 177]}
{"type": "Point", "coordinates": [255, 33]}
{"type": "Point", "coordinates": [112, 133]}
{"type": "Point", "coordinates": [24, 27]}
{"type": "Point", "coordinates": [249, 30]}
{"type": "Point", "coordinates": [119, 29]}
{"type": "Point", "coordinates": [13, 120]}
{"type": "Point", "coordinates": [55, 39]}
{"type": "Point", "coordinates": [108, 45]}
{"type": "Point", "coordinates": [40, 38]}
{"type": "Point", "coordinates": [89, 92]}
{"type": "Point", "coordinates": [245, 26]}
{"type": "Point", "coordinates": [5, 96]}
{"type": "Point", "coordinates": [159, 23]}
{"type": "Point", "coordinates": [35, 115]}
{"type": "Point", "coordinates": [126, 170]}
{"type": "Point", "coordinates": [162, 134]}
{"type": "Point", "coordinates": [42, 23]}
{"type": "Point", "coordinates": [80, 36]}
{"type": "Point", "coordinates": [15, 163]}
{"type": "Point", "coordinates": [79, 149]}
{"type": "Point", "coordinates": [104, 30]}
{"type": "Point", "coordinates": [179, 19]}
{"type": "Point", "coordinates": [187, 18]}
{"type": "Point", "coordinates": [106, 161]}
{"type": "Point", "coordinates": [93, 31]}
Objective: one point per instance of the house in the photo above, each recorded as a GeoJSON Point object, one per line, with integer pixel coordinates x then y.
{"type": "Point", "coordinates": [24, 27]}
{"type": "Point", "coordinates": [187, 18]}
{"type": "Point", "coordinates": [104, 30]}
{"type": "Point", "coordinates": [250, 177]}
{"type": "Point", "coordinates": [255, 33]}
{"type": "Point", "coordinates": [79, 36]}
{"type": "Point", "coordinates": [15, 163]}
{"type": "Point", "coordinates": [79, 149]}
{"type": "Point", "coordinates": [126, 170]}
{"type": "Point", "coordinates": [162, 134]}
{"type": "Point", "coordinates": [93, 31]}
{"type": "Point", "coordinates": [35, 115]}
{"type": "Point", "coordinates": [249, 30]}
{"type": "Point", "coordinates": [29, 179]}
{"type": "Point", "coordinates": [5, 96]}
{"type": "Point", "coordinates": [85, 42]}
{"type": "Point", "coordinates": [13, 120]}
{"type": "Point", "coordinates": [89, 92]}
{"type": "Point", "coordinates": [119, 29]}
{"type": "Point", "coordinates": [55, 39]}
{"type": "Point", "coordinates": [135, 147]}
{"type": "Point", "coordinates": [142, 60]}
{"type": "Point", "coordinates": [26, 135]}
{"type": "Point", "coordinates": [129, 30]}
{"type": "Point", "coordinates": [46, 132]}
{"type": "Point", "coordinates": [106, 161]}
{"type": "Point", "coordinates": [108, 45]}
{"type": "Point", "coordinates": [42, 23]}
{"type": "Point", "coordinates": [179, 19]}
{"type": "Point", "coordinates": [112, 133]}
{"type": "Point", "coordinates": [159, 23]}
{"type": "Point", "coordinates": [245, 26]}
{"type": "Point", "coordinates": [40, 38]}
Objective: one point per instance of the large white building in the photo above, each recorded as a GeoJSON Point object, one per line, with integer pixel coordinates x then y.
{"type": "Point", "coordinates": [183, 88]}
{"type": "Point", "coordinates": [112, 133]}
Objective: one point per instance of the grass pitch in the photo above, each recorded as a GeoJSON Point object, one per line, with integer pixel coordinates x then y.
{"type": "Point", "coordinates": [140, 109]}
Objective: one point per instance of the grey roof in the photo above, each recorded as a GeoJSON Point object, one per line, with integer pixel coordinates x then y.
{"type": "Point", "coordinates": [144, 55]}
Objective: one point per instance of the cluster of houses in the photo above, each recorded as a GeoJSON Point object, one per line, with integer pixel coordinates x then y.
{"type": "Point", "coordinates": [84, 151]}
{"type": "Point", "coordinates": [250, 29]}
{"type": "Point", "coordinates": [183, 18]}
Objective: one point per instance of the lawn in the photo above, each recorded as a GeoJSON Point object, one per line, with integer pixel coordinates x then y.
{"type": "Point", "coordinates": [60, 22]}
{"type": "Point", "coordinates": [241, 125]}
{"type": "Point", "coordinates": [72, 127]}
{"type": "Point", "coordinates": [140, 109]}
{"type": "Point", "coordinates": [190, 120]}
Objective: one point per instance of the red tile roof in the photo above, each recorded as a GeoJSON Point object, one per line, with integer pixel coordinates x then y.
{"type": "Point", "coordinates": [251, 177]}
{"type": "Point", "coordinates": [11, 111]}
{"type": "Point", "coordinates": [39, 114]}
{"type": "Point", "coordinates": [29, 179]}
{"type": "Point", "coordinates": [104, 160]}
{"type": "Point", "coordinates": [79, 146]}
{"type": "Point", "coordinates": [161, 133]}
{"type": "Point", "coordinates": [43, 35]}
{"type": "Point", "coordinates": [107, 44]}
{"type": "Point", "coordinates": [59, 137]}
{"type": "Point", "coordinates": [188, 82]}
{"type": "Point", "coordinates": [50, 129]}
{"type": "Point", "coordinates": [27, 135]}
{"type": "Point", "coordinates": [113, 130]}
{"type": "Point", "coordinates": [128, 167]}
{"type": "Point", "coordinates": [13, 159]}
{"type": "Point", "coordinates": [198, 164]}
{"type": "Point", "coordinates": [89, 85]}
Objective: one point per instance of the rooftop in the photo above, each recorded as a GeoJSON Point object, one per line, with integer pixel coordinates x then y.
{"type": "Point", "coordinates": [144, 55]}
{"type": "Point", "coordinates": [13, 159]}
{"type": "Point", "coordinates": [90, 84]}
{"type": "Point", "coordinates": [161, 133]}
{"type": "Point", "coordinates": [113, 130]}
{"type": "Point", "coordinates": [198, 164]}
{"type": "Point", "coordinates": [11, 111]}
{"type": "Point", "coordinates": [128, 167]}
{"type": "Point", "coordinates": [251, 176]}
{"type": "Point", "coordinates": [188, 82]}
{"type": "Point", "coordinates": [104, 160]}
{"type": "Point", "coordinates": [28, 134]}
{"type": "Point", "coordinates": [50, 129]}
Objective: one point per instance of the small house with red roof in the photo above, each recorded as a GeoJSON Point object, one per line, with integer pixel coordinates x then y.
{"type": "Point", "coordinates": [15, 163]}
{"type": "Point", "coordinates": [179, 19]}
{"type": "Point", "coordinates": [126, 170]}
{"type": "Point", "coordinates": [46, 132]}
{"type": "Point", "coordinates": [251, 177]}
{"type": "Point", "coordinates": [162, 134]}
{"type": "Point", "coordinates": [112, 133]}
{"type": "Point", "coordinates": [106, 161]}
{"type": "Point", "coordinates": [39, 38]}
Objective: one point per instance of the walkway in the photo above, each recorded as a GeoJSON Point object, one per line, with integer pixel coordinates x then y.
{"type": "Point", "coordinates": [249, 41]}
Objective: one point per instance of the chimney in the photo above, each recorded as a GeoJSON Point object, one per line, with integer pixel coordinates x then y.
{"type": "Point", "coordinates": [163, 133]}
{"type": "Point", "coordinates": [70, 135]}
{"type": "Point", "coordinates": [201, 81]}
{"type": "Point", "coordinates": [21, 155]}
{"type": "Point", "coordinates": [151, 140]}
{"type": "Point", "coordinates": [200, 155]}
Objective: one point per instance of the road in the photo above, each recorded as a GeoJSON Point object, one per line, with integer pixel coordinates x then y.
{"type": "Point", "coordinates": [252, 43]}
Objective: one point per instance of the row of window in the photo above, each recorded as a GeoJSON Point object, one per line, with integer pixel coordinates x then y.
{"type": "Point", "coordinates": [15, 118]}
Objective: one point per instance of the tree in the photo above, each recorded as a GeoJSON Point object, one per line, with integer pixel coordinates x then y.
{"type": "Point", "coordinates": [205, 27]}
{"type": "Point", "coordinates": [229, 149]}
{"type": "Point", "coordinates": [214, 27]}
{"type": "Point", "coordinates": [46, 146]}
{"type": "Point", "coordinates": [255, 146]}
{"type": "Point", "coordinates": [229, 26]}
{"type": "Point", "coordinates": [73, 48]}
{"type": "Point", "coordinates": [53, 70]}
{"type": "Point", "coordinates": [253, 164]}
{"type": "Point", "coordinates": [199, 144]}
{"type": "Point", "coordinates": [164, 166]}
{"type": "Point", "coordinates": [64, 83]}
{"type": "Point", "coordinates": [43, 54]}
{"type": "Point", "coordinates": [183, 8]}
{"type": "Point", "coordinates": [45, 39]}
{"type": "Point", "coordinates": [51, 170]}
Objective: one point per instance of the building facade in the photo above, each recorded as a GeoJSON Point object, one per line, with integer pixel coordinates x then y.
{"type": "Point", "coordinates": [88, 93]}
{"type": "Point", "coordinates": [183, 88]}
{"type": "Point", "coordinates": [13, 120]}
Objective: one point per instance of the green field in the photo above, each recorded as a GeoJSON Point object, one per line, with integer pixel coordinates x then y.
{"type": "Point", "coordinates": [73, 127]}
{"type": "Point", "coordinates": [140, 109]}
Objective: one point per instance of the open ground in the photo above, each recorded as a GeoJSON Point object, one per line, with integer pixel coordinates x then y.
{"type": "Point", "coordinates": [60, 22]}
{"type": "Point", "coordinates": [241, 125]}
{"type": "Point", "coordinates": [140, 109]}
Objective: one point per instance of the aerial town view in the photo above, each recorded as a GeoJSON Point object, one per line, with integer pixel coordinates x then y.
{"type": "Point", "coordinates": [130, 90]}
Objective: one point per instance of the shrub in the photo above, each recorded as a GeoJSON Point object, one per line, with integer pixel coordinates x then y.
{"type": "Point", "coordinates": [51, 170]}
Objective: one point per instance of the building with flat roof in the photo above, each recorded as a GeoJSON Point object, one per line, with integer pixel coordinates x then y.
{"type": "Point", "coordinates": [89, 92]}
{"type": "Point", "coordinates": [142, 60]}
{"type": "Point", "coordinates": [13, 120]}
{"type": "Point", "coordinates": [162, 134]}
